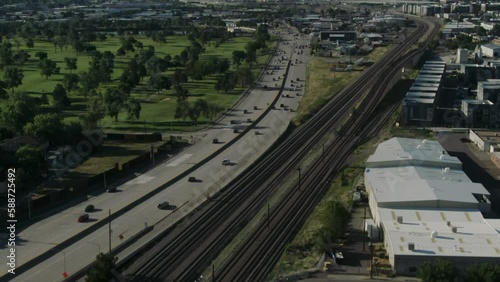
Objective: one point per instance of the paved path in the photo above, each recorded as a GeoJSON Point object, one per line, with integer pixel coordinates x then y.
{"type": "Point", "coordinates": [46, 234]}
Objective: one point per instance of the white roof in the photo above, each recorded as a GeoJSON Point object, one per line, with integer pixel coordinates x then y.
{"type": "Point", "coordinates": [426, 84]}
{"type": "Point", "coordinates": [475, 236]}
{"type": "Point", "coordinates": [423, 88]}
{"type": "Point", "coordinates": [393, 186]}
{"type": "Point", "coordinates": [406, 151]}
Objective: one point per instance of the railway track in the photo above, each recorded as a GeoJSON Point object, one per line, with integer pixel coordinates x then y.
{"type": "Point", "coordinates": [188, 249]}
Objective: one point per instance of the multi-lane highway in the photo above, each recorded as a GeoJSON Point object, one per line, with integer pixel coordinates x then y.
{"type": "Point", "coordinates": [46, 235]}
{"type": "Point", "coordinates": [183, 254]}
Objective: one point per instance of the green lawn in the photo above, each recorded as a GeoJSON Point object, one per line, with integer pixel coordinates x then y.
{"type": "Point", "coordinates": [157, 109]}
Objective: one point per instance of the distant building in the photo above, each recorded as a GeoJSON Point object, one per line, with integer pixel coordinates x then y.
{"type": "Point", "coordinates": [419, 102]}
{"type": "Point", "coordinates": [489, 90]}
{"type": "Point", "coordinates": [485, 140]}
{"type": "Point", "coordinates": [462, 56]}
{"type": "Point", "coordinates": [491, 50]}
{"type": "Point", "coordinates": [479, 113]}
{"type": "Point", "coordinates": [341, 36]}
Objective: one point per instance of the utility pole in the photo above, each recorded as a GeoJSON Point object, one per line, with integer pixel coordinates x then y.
{"type": "Point", "coordinates": [109, 230]}
{"type": "Point", "coordinates": [104, 174]}
{"type": "Point", "coordinates": [213, 272]}
{"type": "Point", "coordinates": [29, 206]}
{"type": "Point", "coordinates": [364, 228]}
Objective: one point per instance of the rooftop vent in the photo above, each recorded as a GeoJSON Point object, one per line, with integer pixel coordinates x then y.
{"type": "Point", "coordinates": [399, 219]}
{"type": "Point", "coordinates": [446, 170]}
{"type": "Point", "coordinates": [441, 157]}
{"type": "Point", "coordinates": [411, 246]}
{"type": "Point", "coordinates": [434, 234]}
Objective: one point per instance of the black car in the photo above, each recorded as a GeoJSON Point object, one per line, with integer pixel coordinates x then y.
{"type": "Point", "coordinates": [192, 179]}
{"type": "Point", "coordinates": [111, 189]}
{"type": "Point", "coordinates": [163, 205]}
{"type": "Point", "coordinates": [89, 208]}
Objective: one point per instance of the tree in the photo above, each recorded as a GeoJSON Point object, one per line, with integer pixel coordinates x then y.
{"type": "Point", "coordinates": [484, 272]}
{"type": "Point", "coordinates": [31, 160]}
{"type": "Point", "coordinates": [222, 66]}
{"type": "Point", "coordinates": [45, 126]}
{"type": "Point", "coordinates": [95, 112]}
{"type": "Point", "coordinates": [159, 82]}
{"type": "Point", "coordinates": [213, 110]}
{"type": "Point", "coordinates": [19, 109]}
{"type": "Point", "coordinates": [245, 76]}
{"type": "Point", "coordinates": [30, 43]}
{"type": "Point", "coordinates": [13, 77]}
{"type": "Point", "coordinates": [238, 57]}
{"type": "Point", "coordinates": [133, 109]}
{"type": "Point", "coordinates": [114, 102]}
{"type": "Point", "coordinates": [100, 270]}
{"type": "Point", "coordinates": [3, 92]}
{"type": "Point", "coordinates": [70, 81]}
{"type": "Point", "coordinates": [5, 54]}
{"type": "Point", "coordinates": [180, 76]}
{"type": "Point", "coordinates": [88, 82]}
{"type": "Point", "coordinates": [181, 92]}
{"type": "Point", "coordinates": [227, 82]}
{"type": "Point", "coordinates": [48, 68]}
{"type": "Point", "coordinates": [61, 99]}
{"type": "Point", "coordinates": [440, 271]}
{"type": "Point", "coordinates": [20, 57]}
{"type": "Point", "coordinates": [71, 64]}
{"type": "Point", "coordinates": [182, 110]}
{"type": "Point", "coordinates": [41, 55]}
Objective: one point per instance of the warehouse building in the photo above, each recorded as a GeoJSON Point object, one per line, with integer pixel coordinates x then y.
{"type": "Point", "coordinates": [425, 207]}
{"type": "Point", "coordinates": [490, 50]}
{"type": "Point", "coordinates": [479, 113]}
{"type": "Point", "coordinates": [419, 109]}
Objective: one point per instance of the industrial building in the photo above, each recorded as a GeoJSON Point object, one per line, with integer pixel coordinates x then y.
{"type": "Point", "coordinates": [479, 113]}
{"type": "Point", "coordinates": [419, 102]}
{"type": "Point", "coordinates": [425, 207]}
{"type": "Point", "coordinates": [490, 50]}
{"type": "Point", "coordinates": [485, 140]}
{"type": "Point", "coordinates": [341, 36]}
{"type": "Point", "coordinates": [489, 90]}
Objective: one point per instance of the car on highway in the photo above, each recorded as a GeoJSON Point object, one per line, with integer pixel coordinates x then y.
{"type": "Point", "coordinates": [192, 179]}
{"type": "Point", "coordinates": [83, 217]}
{"type": "Point", "coordinates": [226, 162]}
{"type": "Point", "coordinates": [111, 189]}
{"type": "Point", "coordinates": [89, 208]}
{"type": "Point", "coordinates": [215, 141]}
{"type": "Point", "coordinates": [163, 205]}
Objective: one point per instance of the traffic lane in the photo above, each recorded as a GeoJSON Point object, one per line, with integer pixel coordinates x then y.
{"type": "Point", "coordinates": [243, 153]}
{"type": "Point", "coordinates": [43, 231]}
{"type": "Point", "coordinates": [145, 181]}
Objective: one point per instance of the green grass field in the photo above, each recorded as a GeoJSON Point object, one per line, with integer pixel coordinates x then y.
{"type": "Point", "coordinates": [157, 109]}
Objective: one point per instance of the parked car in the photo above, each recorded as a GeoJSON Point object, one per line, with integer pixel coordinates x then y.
{"type": "Point", "coordinates": [192, 179]}
{"type": "Point", "coordinates": [226, 162]}
{"type": "Point", "coordinates": [89, 208]}
{"type": "Point", "coordinates": [163, 205]}
{"type": "Point", "coordinates": [83, 217]}
{"type": "Point", "coordinates": [111, 189]}
{"type": "Point", "coordinates": [215, 141]}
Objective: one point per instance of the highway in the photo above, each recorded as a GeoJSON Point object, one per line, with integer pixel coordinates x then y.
{"type": "Point", "coordinates": [46, 235]}
{"type": "Point", "coordinates": [183, 254]}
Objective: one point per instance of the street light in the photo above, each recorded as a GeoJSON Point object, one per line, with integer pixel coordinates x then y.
{"type": "Point", "coordinates": [98, 246]}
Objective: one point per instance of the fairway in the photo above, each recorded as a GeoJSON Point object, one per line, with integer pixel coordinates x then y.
{"type": "Point", "coordinates": [157, 109]}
